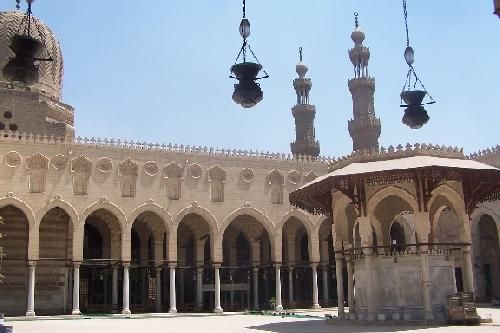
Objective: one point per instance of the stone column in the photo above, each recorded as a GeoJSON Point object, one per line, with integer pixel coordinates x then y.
{"type": "Point", "coordinates": [158, 289]}
{"type": "Point", "coordinates": [325, 286]}
{"type": "Point", "coordinates": [424, 261]}
{"type": "Point", "coordinates": [173, 300]}
{"type": "Point", "coordinates": [340, 285]}
{"type": "Point", "coordinates": [467, 270]}
{"type": "Point", "coordinates": [126, 289]}
{"type": "Point", "coordinates": [76, 289]}
{"type": "Point", "coordinates": [256, 287]}
{"type": "Point", "coordinates": [279, 305]}
{"type": "Point", "coordinates": [30, 311]}
{"type": "Point", "coordinates": [114, 291]}
{"type": "Point", "coordinates": [350, 288]}
{"type": "Point", "coordinates": [369, 283]}
{"type": "Point", "coordinates": [218, 308]}
{"type": "Point", "coordinates": [315, 286]}
{"type": "Point", "coordinates": [290, 285]}
{"type": "Point", "coordinates": [199, 288]}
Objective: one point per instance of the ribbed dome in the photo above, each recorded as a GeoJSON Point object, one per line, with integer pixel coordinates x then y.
{"type": "Point", "coordinates": [51, 72]}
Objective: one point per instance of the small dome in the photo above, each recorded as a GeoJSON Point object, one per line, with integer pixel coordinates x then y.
{"type": "Point", "coordinates": [51, 72]}
{"type": "Point", "coordinates": [301, 69]}
{"type": "Point", "coordinates": [358, 36]}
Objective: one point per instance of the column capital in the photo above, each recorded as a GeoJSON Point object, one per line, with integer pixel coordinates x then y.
{"type": "Point", "coordinates": [172, 265]}
{"type": "Point", "coordinates": [217, 265]}
{"type": "Point", "coordinates": [277, 264]}
{"type": "Point", "coordinates": [126, 264]}
{"type": "Point", "coordinates": [255, 269]}
{"type": "Point", "coordinates": [32, 263]}
{"type": "Point", "coordinates": [158, 269]}
{"type": "Point", "coordinates": [77, 264]}
{"type": "Point", "coordinates": [339, 256]}
{"type": "Point", "coordinates": [314, 265]}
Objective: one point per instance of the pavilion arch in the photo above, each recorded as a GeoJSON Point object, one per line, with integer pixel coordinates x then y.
{"type": "Point", "coordinates": [154, 208]}
{"type": "Point", "coordinates": [391, 190]}
{"type": "Point", "coordinates": [455, 199]}
{"type": "Point", "coordinates": [445, 197]}
{"type": "Point", "coordinates": [110, 207]}
{"type": "Point", "coordinates": [341, 202]}
{"type": "Point", "coordinates": [22, 206]}
{"type": "Point", "coordinates": [58, 203]}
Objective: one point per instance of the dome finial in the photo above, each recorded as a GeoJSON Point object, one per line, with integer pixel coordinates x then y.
{"type": "Point", "coordinates": [357, 36]}
{"type": "Point", "coordinates": [301, 68]}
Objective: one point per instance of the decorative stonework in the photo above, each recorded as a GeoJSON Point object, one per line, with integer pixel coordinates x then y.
{"type": "Point", "coordinates": [38, 165]}
{"type": "Point", "coordinates": [217, 178]}
{"type": "Point", "coordinates": [247, 175]}
{"type": "Point", "coordinates": [276, 180]}
{"type": "Point", "coordinates": [151, 168]}
{"type": "Point", "coordinates": [128, 171]}
{"type": "Point", "coordinates": [173, 174]}
{"type": "Point", "coordinates": [104, 164]}
{"type": "Point", "coordinates": [310, 177]}
{"type": "Point", "coordinates": [59, 162]}
{"type": "Point", "coordinates": [37, 161]}
{"type": "Point", "coordinates": [13, 159]}
{"type": "Point", "coordinates": [128, 168]}
{"type": "Point", "coordinates": [81, 168]}
{"type": "Point", "coordinates": [195, 170]}
{"type": "Point", "coordinates": [294, 177]}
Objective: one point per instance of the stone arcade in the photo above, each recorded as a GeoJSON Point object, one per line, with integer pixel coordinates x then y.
{"type": "Point", "coordinates": [103, 225]}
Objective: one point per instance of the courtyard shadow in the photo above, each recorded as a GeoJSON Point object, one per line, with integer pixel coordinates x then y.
{"type": "Point", "coordinates": [322, 326]}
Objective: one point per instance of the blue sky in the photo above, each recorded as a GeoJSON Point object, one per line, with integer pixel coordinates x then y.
{"type": "Point", "coordinates": [157, 71]}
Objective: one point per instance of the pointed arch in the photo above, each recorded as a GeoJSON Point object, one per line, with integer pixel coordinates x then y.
{"type": "Point", "coordinates": [391, 190]}
{"type": "Point", "coordinates": [154, 208]}
{"type": "Point", "coordinates": [106, 205]}
{"type": "Point", "coordinates": [253, 212]}
{"type": "Point", "coordinates": [302, 217]}
{"type": "Point", "coordinates": [197, 210]}
{"type": "Point", "coordinates": [449, 193]}
{"type": "Point", "coordinates": [58, 203]}
{"type": "Point", "coordinates": [22, 206]}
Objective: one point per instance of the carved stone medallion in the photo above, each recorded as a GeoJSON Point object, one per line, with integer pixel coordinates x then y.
{"type": "Point", "coordinates": [151, 168]}
{"type": "Point", "coordinates": [13, 159]}
{"type": "Point", "coordinates": [104, 164]}
{"type": "Point", "coordinates": [195, 170]}
{"type": "Point", "coordinates": [247, 175]}
{"type": "Point", "coordinates": [59, 162]}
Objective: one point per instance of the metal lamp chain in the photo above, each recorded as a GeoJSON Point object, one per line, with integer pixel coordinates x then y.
{"type": "Point", "coordinates": [405, 11]}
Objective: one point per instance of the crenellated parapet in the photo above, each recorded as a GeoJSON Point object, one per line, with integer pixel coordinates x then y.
{"type": "Point", "coordinates": [489, 156]}
{"type": "Point", "coordinates": [24, 138]}
{"type": "Point", "coordinates": [400, 151]}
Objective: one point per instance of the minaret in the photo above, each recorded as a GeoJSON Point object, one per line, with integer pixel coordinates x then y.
{"type": "Point", "coordinates": [304, 113]}
{"type": "Point", "coordinates": [364, 128]}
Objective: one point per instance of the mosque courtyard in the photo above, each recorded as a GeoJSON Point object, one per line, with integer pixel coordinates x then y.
{"type": "Point", "coordinates": [313, 322]}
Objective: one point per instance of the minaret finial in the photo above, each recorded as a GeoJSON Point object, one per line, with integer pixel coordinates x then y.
{"type": "Point", "coordinates": [300, 53]}
{"type": "Point", "coordinates": [356, 22]}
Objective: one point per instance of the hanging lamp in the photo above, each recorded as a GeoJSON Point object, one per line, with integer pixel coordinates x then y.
{"type": "Point", "coordinates": [415, 115]}
{"type": "Point", "coordinates": [247, 91]}
{"type": "Point", "coordinates": [23, 67]}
